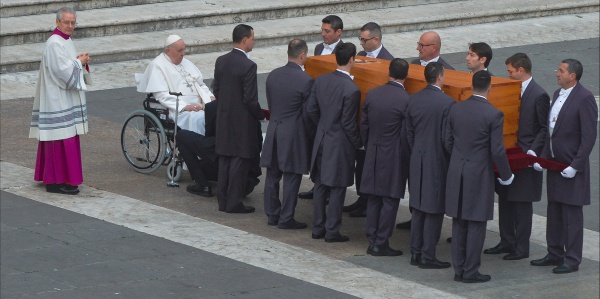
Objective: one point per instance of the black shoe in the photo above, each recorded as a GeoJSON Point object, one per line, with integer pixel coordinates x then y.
{"type": "Point", "coordinates": [242, 209]}
{"type": "Point", "coordinates": [564, 269]}
{"type": "Point", "coordinates": [370, 249]}
{"type": "Point", "coordinates": [433, 264]}
{"type": "Point", "coordinates": [457, 277]}
{"type": "Point", "coordinates": [273, 220]}
{"type": "Point", "coordinates": [62, 189]}
{"type": "Point", "coordinates": [517, 255]}
{"type": "Point", "coordinates": [359, 203]}
{"type": "Point", "coordinates": [384, 251]}
{"type": "Point", "coordinates": [292, 224]}
{"type": "Point", "coordinates": [360, 212]}
{"type": "Point", "coordinates": [403, 225]}
{"type": "Point", "coordinates": [449, 240]}
{"type": "Point", "coordinates": [319, 236]}
{"type": "Point", "coordinates": [197, 189]}
{"type": "Point", "coordinates": [337, 239]}
{"type": "Point", "coordinates": [546, 261]}
{"type": "Point", "coordinates": [478, 277]}
{"type": "Point", "coordinates": [498, 249]}
{"type": "Point", "coordinates": [415, 259]}
{"type": "Point", "coordinates": [306, 195]}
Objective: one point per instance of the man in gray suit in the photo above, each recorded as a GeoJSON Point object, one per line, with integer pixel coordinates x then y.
{"type": "Point", "coordinates": [427, 116]}
{"type": "Point", "coordinates": [286, 150]}
{"type": "Point", "coordinates": [238, 115]}
{"type": "Point", "coordinates": [384, 177]}
{"type": "Point", "coordinates": [475, 141]}
{"type": "Point", "coordinates": [429, 47]}
{"type": "Point", "coordinates": [572, 132]}
{"type": "Point", "coordinates": [515, 202]}
{"type": "Point", "coordinates": [331, 31]}
{"type": "Point", "coordinates": [479, 57]}
{"type": "Point", "coordinates": [333, 106]}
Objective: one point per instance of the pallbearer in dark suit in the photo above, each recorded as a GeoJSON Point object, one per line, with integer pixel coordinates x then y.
{"type": "Point", "coordinates": [475, 141]}
{"type": "Point", "coordinates": [238, 115]}
{"type": "Point", "coordinates": [572, 132]}
{"type": "Point", "coordinates": [479, 57]}
{"type": "Point", "coordinates": [370, 40]}
{"type": "Point", "coordinates": [331, 31]}
{"type": "Point", "coordinates": [286, 151]}
{"type": "Point", "coordinates": [515, 202]}
{"type": "Point", "coordinates": [384, 177]}
{"type": "Point", "coordinates": [333, 106]}
{"type": "Point", "coordinates": [427, 116]}
{"type": "Point", "coordinates": [429, 47]}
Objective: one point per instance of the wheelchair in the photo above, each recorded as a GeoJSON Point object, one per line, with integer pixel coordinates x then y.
{"type": "Point", "coordinates": [147, 140]}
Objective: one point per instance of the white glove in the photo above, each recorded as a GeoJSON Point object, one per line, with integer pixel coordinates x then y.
{"type": "Point", "coordinates": [507, 182]}
{"type": "Point", "coordinates": [537, 166]}
{"type": "Point", "coordinates": [531, 153]}
{"type": "Point", "coordinates": [568, 172]}
{"type": "Point", "coordinates": [362, 148]}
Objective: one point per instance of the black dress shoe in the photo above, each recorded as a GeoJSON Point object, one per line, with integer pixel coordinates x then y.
{"type": "Point", "coordinates": [197, 189]}
{"type": "Point", "coordinates": [337, 239]}
{"type": "Point", "coordinates": [433, 264]}
{"type": "Point", "coordinates": [384, 251]}
{"type": "Point", "coordinates": [415, 259]}
{"type": "Point", "coordinates": [359, 203]}
{"type": "Point", "coordinates": [449, 240]}
{"type": "Point", "coordinates": [546, 261]}
{"type": "Point", "coordinates": [478, 277]}
{"type": "Point", "coordinates": [403, 225]}
{"type": "Point", "coordinates": [306, 195]}
{"type": "Point", "coordinates": [564, 269]}
{"type": "Point", "coordinates": [242, 209]}
{"type": "Point", "coordinates": [360, 212]}
{"type": "Point", "coordinates": [370, 249]}
{"type": "Point", "coordinates": [273, 221]}
{"type": "Point", "coordinates": [457, 277]}
{"type": "Point", "coordinates": [517, 255]}
{"type": "Point", "coordinates": [318, 236]}
{"type": "Point", "coordinates": [292, 224]}
{"type": "Point", "coordinates": [498, 249]}
{"type": "Point", "coordinates": [62, 189]}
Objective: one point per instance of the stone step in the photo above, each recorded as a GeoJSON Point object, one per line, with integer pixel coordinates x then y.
{"type": "Point", "coordinates": [16, 8]}
{"type": "Point", "coordinates": [125, 47]}
{"type": "Point", "coordinates": [181, 14]}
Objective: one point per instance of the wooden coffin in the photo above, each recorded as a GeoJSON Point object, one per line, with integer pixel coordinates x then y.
{"type": "Point", "coordinates": [371, 72]}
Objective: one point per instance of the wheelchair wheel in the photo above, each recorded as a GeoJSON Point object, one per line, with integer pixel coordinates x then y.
{"type": "Point", "coordinates": [178, 171]}
{"type": "Point", "coordinates": [143, 141]}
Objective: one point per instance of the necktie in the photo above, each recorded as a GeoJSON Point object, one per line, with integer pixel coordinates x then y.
{"type": "Point", "coordinates": [370, 54]}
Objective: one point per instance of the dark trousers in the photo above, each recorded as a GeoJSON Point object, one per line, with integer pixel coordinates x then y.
{"type": "Point", "coordinates": [467, 242]}
{"type": "Point", "coordinates": [285, 209]}
{"type": "Point", "coordinates": [198, 153]}
{"type": "Point", "coordinates": [564, 233]}
{"type": "Point", "coordinates": [514, 221]}
{"type": "Point", "coordinates": [330, 221]}
{"type": "Point", "coordinates": [425, 231]}
{"type": "Point", "coordinates": [381, 218]}
{"type": "Point", "coordinates": [233, 174]}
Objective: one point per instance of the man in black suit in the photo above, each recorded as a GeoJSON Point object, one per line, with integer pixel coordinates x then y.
{"type": "Point", "coordinates": [427, 116]}
{"type": "Point", "coordinates": [238, 115]}
{"type": "Point", "coordinates": [333, 106]}
{"type": "Point", "coordinates": [370, 40]}
{"type": "Point", "coordinates": [475, 141]}
{"type": "Point", "coordinates": [479, 57]}
{"type": "Point", "coordinates": [286, 150]}
{"type": "Point", "coordinates": [331, 31]}
{"type": "Point", "coordinates": [384, 177]}
{"type": "Point", "coordinates": [515, 202]}
{"type": "Point", "coordinates": [572, 132]}
{"type": "Point", "coordinates": [429, 47]}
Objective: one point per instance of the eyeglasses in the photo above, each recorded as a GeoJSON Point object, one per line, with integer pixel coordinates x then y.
{"type": "Point", "coordinates": [74, 24]}
{"type": "Point", "coordinates": [365, 40]}
{"type": "Point", "coordinates": [420, 45]}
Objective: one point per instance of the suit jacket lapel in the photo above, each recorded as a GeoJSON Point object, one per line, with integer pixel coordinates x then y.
{"type": "Point", "coordinates": [564, 108]}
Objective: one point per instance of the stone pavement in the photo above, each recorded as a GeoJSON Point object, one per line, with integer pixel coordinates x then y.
{"type": "Point", "coordinates": [176, 229]}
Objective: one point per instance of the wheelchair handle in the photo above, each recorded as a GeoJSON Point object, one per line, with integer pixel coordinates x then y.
{"type": "Point", "coordinates": [175, 93]}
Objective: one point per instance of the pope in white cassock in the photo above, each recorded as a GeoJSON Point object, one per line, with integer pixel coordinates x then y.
{"type": "Point", "coordinates": [59, 113]}
{"type": "Point", "coordinates": [171, 72]}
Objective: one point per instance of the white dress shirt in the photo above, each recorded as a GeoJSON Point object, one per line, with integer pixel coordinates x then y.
{"type": "Point", "coordinates": [328, 49]}
{"type": "Point", "coordinates": [424, 63]}
{"type": "Point", "coordinates": [375, 52]}
{"type": "Point", "coordinates": [524, 85]}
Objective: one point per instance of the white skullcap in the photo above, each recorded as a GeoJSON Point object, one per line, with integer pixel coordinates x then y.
{"type": "Point", "coordinates": [172, 39]}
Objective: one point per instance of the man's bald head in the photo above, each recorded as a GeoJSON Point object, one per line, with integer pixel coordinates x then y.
{"type": "Point", "coordinates": [429, 45]}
